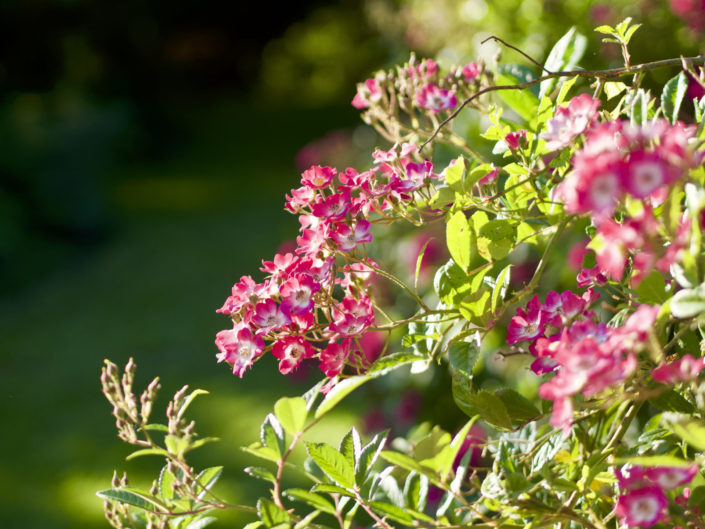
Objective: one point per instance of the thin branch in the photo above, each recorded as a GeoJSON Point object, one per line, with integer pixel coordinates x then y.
{"type": "Point", "coordinates": [493, 37]}
{"type": "Point", "coordinates": [611, 73]}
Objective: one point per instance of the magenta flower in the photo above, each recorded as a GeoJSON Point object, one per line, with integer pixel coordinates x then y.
{"type": "Point", "coordinates": [318, 177]}
{"type": "Point", "coordinates": [367, 93]}
{"type": "Point", "coordinates": [437, 99]}
{"type": "Point", "coordinates": [471, 71]}
{"type": "Point", "coordinates": [297, 293]}
{"type": "Point", "coordinates": [290, 351]}
{"type": "Point", "coordinates": [239, 347]}
{"type": "Point", "coordinates": [527, 325]}
{"type": "Point", "coordinates": [682, 370]}
{"type": "Point", "coordinates": [269, 316]}
{"type": "Point", "coordinates": [515, 140]}
{"type": "Point", "coordinates": [334, 357]}
{"type": "Point", "coordinates": [642, 507]}
{"type": "Point", "coordinates": [347, 238]}
{"type": "Point", "coordinates": [671, 477]}
{"type": "Point", "coordinates": [645, 173]}
{"type": "Point", "coordinates": [570, 121]}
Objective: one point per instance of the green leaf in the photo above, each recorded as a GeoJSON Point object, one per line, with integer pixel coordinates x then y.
{"type": "Point", "coordinates": [392, 511]}
{"type": "Point", "coordinates": [606, 30]}
{"type": "Point", "coordinates": [520, 409]}
{"type": "Point", "coordinates": [188, 400]}
{"type": "Point", "coordinates": [176, 445]}
{"type": "Point", "coordinates": [155, 427]}
{"type": "Point", "coordinates": [474, 307]}
{"type": "Point", "coordinates": [458, 239]}
{"type": "Point", "coordinates": [671, 401]}
{"type": "Point", "coordinates": [147, 452]}
{"type": "Point", "coordinates": [672, 96]}
{"type": "Point", "coordinates": [201, 522]}
{"type": "Point", "coordinates": [407, 463]}
{"type": "Point", "coordinates": [688, 302]}
{"type": "Point", "coordinates": [388, 363]}
{"type": "Point", "coordinates": [253, 525]}
{"type": "Point", "coordinates": [462, 356]}
{"type": "Point", "coordinates": [202, 441]}
{"type": "Point", "coordinates": [500, 286]}
{"type": "Point", "coordinates": [165, 482]}
{"type": "Point", "coordinates": [291, 412]}
{"type": "Point", "coordinates": [272, 434]}
{"type": "Point", "coordinates": [416, 491]}
{"type": "Point", "coordinates": [305, 522]}
{"type": "Point", "coordinates": [260, 473]}
{"type": "Point", "coordinates": [454, 175]}
{"type": "Point", "coordinates": [135, 497]}
{"type": "Point", "coordinates": [206, 479]}
{"type": "Point", "coordinates": [652, 289]}
{"type": "Point", "coordinates": [341, 390]}
{"type": "Point", "coordinates": [368, 455]}
{"type": "Point", "coordinates": [690, 430]}
{"type": "Point", "coordinates": [419, 260]}
{"type": "Point", "coordinates": [333, 463]}
{"type": "Point", "coordinates": [259, 450]}
{"type": "Point", "coordinates": [270, 513]}
{"type": "Point", "coordinates": [485, 404]}
{"type": "Point", "coordinates": [654, 461]}
{"type": "Point", "coordinates": [451, 282]}
{"type": "Point", "coordinates": [564, 55]}
{"type": "Point", "coordinates": [314, 500]}
{"type": "Point", "coordinates": [331, 489]}
{"type": "Point", "coordinates": [523, 102]}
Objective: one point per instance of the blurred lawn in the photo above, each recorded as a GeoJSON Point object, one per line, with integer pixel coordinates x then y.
{"type": "Point", "coordinates": [189, 228]}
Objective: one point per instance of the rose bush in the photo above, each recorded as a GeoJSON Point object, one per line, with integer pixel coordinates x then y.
{"type": "Point", "coordinates": [580, 384]}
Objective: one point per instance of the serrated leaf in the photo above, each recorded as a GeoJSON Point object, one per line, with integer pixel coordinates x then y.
{"type": "Point", "coordinates": [331, 489]}
{"type": "Point", "coordinates": [206, 479]}
{"type": "Point", "coordinates": [164, 483]}
{"type": "Point", "coordinates": [483, 403]}
{"type": "Point", "coordinates": [291, 412]}
{"type": "Point", "coordinates": [463, 356]}
{"type": "Point", "coordinates": [260, 473]}
{"type": "Point", "coordinates": [333, 463]}
{"type": "Point", "coordinates": [270, 513]}
{"type": "Point", "coordinates": [520, 409]}
{"type": "Point", "coordinates": [606, 30]}
{"type": "Point", "coordinates": [416, 491]}
{"type": "Point", "coordinates": [672, 96]}
{"type": "Point", "coordinates": [392, 511]}
{"type": "Point", "coordinates": [314, 500]}
{"type": "Point", "coordinates": [458, 239]}
{"type": "Point", "coordinates": [272, 434]}
{"type": "Point", "coordinates": [134, 497]}
{"type": "Point", "coordinates": [259, 450]}
{"type": "Point", "coordinates": [369, 454]}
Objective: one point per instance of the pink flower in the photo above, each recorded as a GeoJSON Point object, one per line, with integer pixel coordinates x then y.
{"type": "Point", "coordinates": [671, 477]}
{"type": "Point", "coordinates": [367, 93]}
{"type": "Point", "coordinates": [238, 347]}
{"type": "Point", "coordinates": [591, 277]}
{"type": "Point", "coordinates": [515, 140]}
{"type": "Point", "coordinates": [334, 357]}
{"type": "Point", "coordinates": [291, 350]}
{"type": "Point", "coordinates": [297, 293]}
{"type": "Point", "coordinates": [682, 370]}
{"type": "Point", "coordinates": [489, 177]}
{"type": "Point", "coordinates": [642, 507]}
{"type": "Point", "coordinates": [334, 206]}
{"type": "Point", "coordinates": [299, 198]}
{"type": "Point", "coordinates": [527, 325]}
{"type": "Point", "coordinates": [434, 98]}
{"type": "Point", "coordinates": [318, 177]}
{"type": "Point", "coordinates": [645, 173]}
{"type": "Point", "coordinates": [471, 71]}
{"type": "Point", "coordinates": [570, 121]}
{"type": "Point", "coordinates": [269, 316]}
{"type": "Point", "coordinates": [347, 238]}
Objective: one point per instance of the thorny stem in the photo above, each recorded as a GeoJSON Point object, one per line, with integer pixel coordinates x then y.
{"type": "Point", "coordinates": [610, 73]}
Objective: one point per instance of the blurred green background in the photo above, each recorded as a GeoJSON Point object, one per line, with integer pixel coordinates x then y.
{"type": "Point", "coordinates": [145, 150]}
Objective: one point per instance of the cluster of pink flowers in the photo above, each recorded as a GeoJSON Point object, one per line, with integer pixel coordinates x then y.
{"type": "Point", "coordinates": [587, 356]}
{"type": "Point", "coordinates": [618, 157]}
{"type": "Point", "coordinates": [643, 501]}
{"type": "Point", "coordinates": [294, 309]}
{"type": "Point", "coordinates": [421, 83]}
{"type": "Point", "coordinates": [569, 122]}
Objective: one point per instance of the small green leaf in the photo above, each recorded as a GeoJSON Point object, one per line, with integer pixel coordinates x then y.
{"type": "Point", "coordinates": [155, 427]}
{"type": "Point", "coordinates": [523, 102]}
{"type": "Point", "coordinates": [458, 239]}
{"type": "Point", "coordinates": [260, 473]}
{"type": "Point", "coordinates": [454, 175]}
{"type": "Point", "coordinates": [462, 356]}
{"type": "Point", "coordinates": [272, 434]}
{"type": "Point", "coordinates": [333, 463]}
{"type": "Point", "coordinates": [270, 513]}
{"type": "Point", "coordinates": [259, 450]}
{"type": "Point", "coordinates": [206, 479]}
{"type": "Point", "coordinates": [419, 259]}
{"type": "Point", "coordinates": [500, 286]}
{"type": "Point", "coordinates": [165, 483]}
{"type": "Point", "coordinates": [291, 412]}
{"type": "Point", "coordinates": [520, 409]}
{"type": "Point", "coordinates": [652, 289]}
{"type": "Point", "coordinates": [672, 96]}
{"type": "Point", "coordinates": [688, 302]}
{"type": "Point", "coordinates": [135, 497]}
{"type": "Point", "coordinates": [671, 401]}
{"type": "Point", "coordinates": [201, 522]}
{"type": "Point", "coordinates": [341, 390]}
{"type": "Point", "coordinates": [188, 400]}
{"type": "Point", "coordinates": [147, 452]}
{"type": "Point", "coordinates": [314, 500]}
{"type": "Point", "coordinates": [305, 522]}
{"type": "Point", "coordinates": [331, 489]}
{"type": "Point", "coordinates": [489, 406]}
{"type": "Point", "coordinates": [564, 55]}
{"type": "Point", "coordinates": [690, 430]}
{"type": "Point", "coordinates": [392, 511]}
{"type": "Point", "coordinates": [606, 30]}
